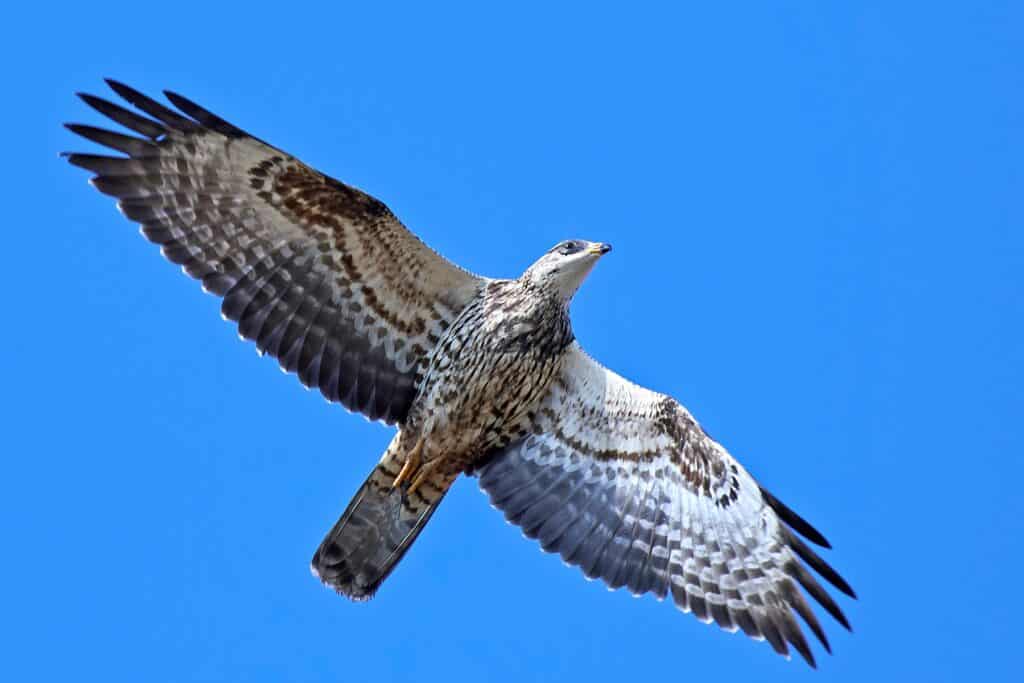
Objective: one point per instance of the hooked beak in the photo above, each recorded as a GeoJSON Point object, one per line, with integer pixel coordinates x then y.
{"type": "Point", "coordinates": [599, 248]}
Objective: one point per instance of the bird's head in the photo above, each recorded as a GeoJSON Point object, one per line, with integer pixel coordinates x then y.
{"type": "Point", "coordinates": [564, 267]}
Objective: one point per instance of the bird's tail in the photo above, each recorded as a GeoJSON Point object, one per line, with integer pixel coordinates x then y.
{"type": "Point", "coordinates": [377, 528]}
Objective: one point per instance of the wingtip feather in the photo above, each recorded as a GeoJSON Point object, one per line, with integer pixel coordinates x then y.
{"type": "Point", "coordinates": [798, 523]}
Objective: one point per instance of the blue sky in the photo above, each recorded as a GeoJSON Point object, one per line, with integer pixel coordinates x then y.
{"type": "Point", "coordinates": [816, 214]}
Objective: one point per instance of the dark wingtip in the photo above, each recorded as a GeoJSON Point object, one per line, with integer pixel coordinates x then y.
{"type": "Point", "coordinates": [796, 600]}
{"type": "Point", "coordinates": [798, 523]}
{"type": "Point", "coordinates": [82, 129]}
{"type": "Point", "coordinates": [116, 85]}
{"type": "Point", "coordinates": [791, 632]}
{"type": "Point", "coordinates": [152, 107]}
{"type": "Point", "coordinates": [819, 565]}
{"type": "Point", "coordinates": [799, 572]}
{"type": "Point", "coordinates": [130, 120]}
{"type": "Point", "coordinates": [126, 91]}
{"type": "Point", "coordinates": [204, 116]}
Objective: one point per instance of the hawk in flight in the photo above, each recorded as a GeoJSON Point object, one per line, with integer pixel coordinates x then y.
{"type": "Point", "coordinates": [482, 376]}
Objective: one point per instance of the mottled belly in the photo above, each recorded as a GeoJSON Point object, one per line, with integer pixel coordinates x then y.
{"type": "Point", "coordinates": [478, 407]}
{"type": "Point", "coordinates": [490, 370]}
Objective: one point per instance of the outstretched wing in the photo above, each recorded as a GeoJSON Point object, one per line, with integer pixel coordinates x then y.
{"type": "Point", "coordinates": [625, 484]}
{"type": "Point", "coordinates": [320, 275]}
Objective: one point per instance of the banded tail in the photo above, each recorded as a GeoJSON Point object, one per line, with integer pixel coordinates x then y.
{"type": "Point", "coordinates": [377, 529]}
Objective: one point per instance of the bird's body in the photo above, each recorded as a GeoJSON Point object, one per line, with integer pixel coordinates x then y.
{"type": "Point", "coordinates": [491, 368]}
{"type": "Point", "coordinates": [483, 385]}
{"type": "Point", "coordinates": [481, 376]}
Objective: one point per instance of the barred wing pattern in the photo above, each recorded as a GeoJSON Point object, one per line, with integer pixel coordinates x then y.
{"type": "Point", "coordinates": [625, 484]}
{"type": "Point", "coordinates": [320, 275]}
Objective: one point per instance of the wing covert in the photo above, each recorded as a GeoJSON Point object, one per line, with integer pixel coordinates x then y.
{"type": "Point", "coordinates": [319, 274]}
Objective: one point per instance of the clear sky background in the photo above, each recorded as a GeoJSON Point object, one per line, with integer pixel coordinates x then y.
{"type": "Point", "coordinates": [817, 217]}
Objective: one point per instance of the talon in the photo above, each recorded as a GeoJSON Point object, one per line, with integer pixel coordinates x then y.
{"type": "Point", "coordinates": [403, 474]}
{"type": "Point", "coordinates": [412, 463]}
{"type": "Point", "coordinates": [425, 471]}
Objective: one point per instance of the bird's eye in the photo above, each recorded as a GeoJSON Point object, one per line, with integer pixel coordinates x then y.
{"type": "Point", "coordinates": [568, 248]}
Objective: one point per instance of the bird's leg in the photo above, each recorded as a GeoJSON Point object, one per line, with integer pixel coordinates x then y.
{"type": "Point", "coordinates": [411, 464]}
{"type": "Point", "coordinates": [425, 471]}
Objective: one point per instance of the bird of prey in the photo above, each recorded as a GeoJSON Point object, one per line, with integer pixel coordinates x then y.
{"type": "Point", "coordinates": [482, 376]}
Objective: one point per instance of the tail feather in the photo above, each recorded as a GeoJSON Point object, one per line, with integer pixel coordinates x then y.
{"type": "Point", "coordinates": [376, 530]}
